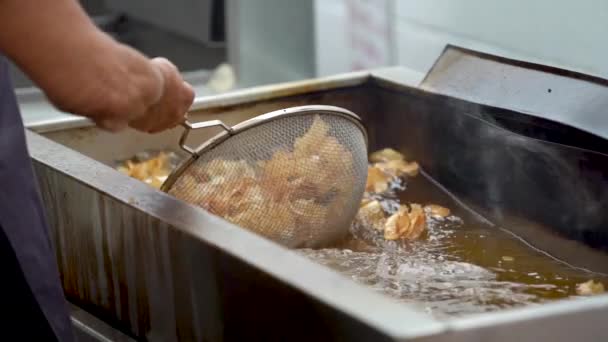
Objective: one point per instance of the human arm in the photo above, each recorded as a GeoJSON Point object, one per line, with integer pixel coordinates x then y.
{"type": "Point", "coordinates": [84, 71]}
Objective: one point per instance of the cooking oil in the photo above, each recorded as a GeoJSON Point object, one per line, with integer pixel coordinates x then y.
{"type": "Point", "coordinates": [463, 265]}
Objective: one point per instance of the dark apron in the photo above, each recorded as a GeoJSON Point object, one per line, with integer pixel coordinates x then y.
{"type": "Point", "coordinates": [32, 305]}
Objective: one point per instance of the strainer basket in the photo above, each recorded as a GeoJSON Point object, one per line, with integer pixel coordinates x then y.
{"type": "Point", "coordinates": [295, 176]}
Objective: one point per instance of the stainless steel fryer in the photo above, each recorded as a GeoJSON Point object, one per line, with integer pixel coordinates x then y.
{"type": "Point", "coordinates": [160, 269]}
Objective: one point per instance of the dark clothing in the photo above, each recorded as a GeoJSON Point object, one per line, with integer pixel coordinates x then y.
{"type": "Point", "coordinates": [30, 278]}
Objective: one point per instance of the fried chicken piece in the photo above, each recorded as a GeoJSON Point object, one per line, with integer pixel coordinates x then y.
{"type": "Point", "coordinates": [377, 180]}
{"type": "Point", "coordinates": [153, 171]}
{"type": "Point", "coordinates": [397, 225]}
{"type": "Point", "coordinates": [406, 223]}
{"type": "Point", "coordinates": [399, 168]}
{"type": "Point", "coordinates": [308, 143]}
{"type": "Point", "coordinates": [385, 155]}
{"type": "Point", "coordinates": [418, 222]}
{"type": "Point", "coordinates": [372, 215]}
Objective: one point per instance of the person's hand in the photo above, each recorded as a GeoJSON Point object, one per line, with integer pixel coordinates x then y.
{"type": "Point", "coordinates": [175, 100]}
{"type": "Point", "coordinates": [168, 111]}
{"type": "Point", "coordinates": [84, 71]}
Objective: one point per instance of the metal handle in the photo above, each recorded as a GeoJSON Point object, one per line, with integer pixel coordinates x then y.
{"type": "Point", "coordinates": [190, 126]}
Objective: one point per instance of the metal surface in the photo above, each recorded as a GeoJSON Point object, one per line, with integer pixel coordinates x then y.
{"type": "Point", "coordinates": [188, 127]}
{"type": "Point", "coordinates": [560, 95]}
{"type": "Point", "coordinates": [163, 269]}
{"type": "Point", "coordinates": [88, 328]}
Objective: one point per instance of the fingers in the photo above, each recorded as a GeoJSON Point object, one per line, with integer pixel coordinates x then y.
{"type": "Point", "coordinates": [169, 110]}
{"type": "Point", "coordinates": [175, 101]}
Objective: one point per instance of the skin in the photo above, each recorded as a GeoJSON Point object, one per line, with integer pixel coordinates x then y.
{"type": "Point", "coordinates": [83, 71]}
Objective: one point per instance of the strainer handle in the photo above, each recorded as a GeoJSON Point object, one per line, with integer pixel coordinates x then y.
{"type": "Point", "coordinates": [188, 126]}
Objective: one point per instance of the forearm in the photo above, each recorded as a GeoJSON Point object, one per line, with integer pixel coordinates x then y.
{"type": "Point", "coordinates": [81, 69]}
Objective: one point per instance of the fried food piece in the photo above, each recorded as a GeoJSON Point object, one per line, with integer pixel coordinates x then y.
{"type": "Point", "coordinates": [307, 144]}
{"type": "Point", "coordinates": [304, 207]}
{"type": "Point", "coordinates": [277, 167]}
{"type": "Point", "coordinates": [590, 288]}
{"type": "Point", "coordinates": [309, 214]}
{"type": "Point", "coordinates": [372, 215]}
{"type": "Point", "coordinates": [243, 194]}
{"type": "Point", "coordinates": [377, 180]}
{"type": "Point", "coordinates": [406, 223]}
{"type": "Point", "coordinates": [279, 177]}
{"type": "Point", "coordinates": [385, 155]}
{"type": "Point", "coordinates": [287, 198]}
{"type": "Point", "coordinates": [437, 210]}
{"type": "Point", "coordinates": [397, 225]}
{"type": "Point", "coordinates": [277, 222]}
{"type": "Point", "coordinates": [336, 165]}
{"type": "Point", "coordinates": [153, 171]}
{"type": "Point", "coordinates": [418, 222]}
{"type": "Point", "coordinates": [230, 196]}
{"type": "Point", "coordinates": [223, 187]}
{"type": "Point", "coordinates": [228, 169]}
{"type": "Point", "coordinates": [399, 168]}
{"type": "Point", "coordinates": [314, 169]}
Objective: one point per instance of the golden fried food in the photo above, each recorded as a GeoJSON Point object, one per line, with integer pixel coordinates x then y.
{"type": "Point", "coordinates": [418, 222]}
{"type": "Point", "coordinates": [153, 171]}
{"type": "Point", "coordinates": [308, 144]}
{"type": "Point", "coordinates": [286, 198]}
{"type": "Point", "coordinates": [397, 225]}
{"type": "Point", "coordinates": [590, 288]}
{"type": "Point", "coordinates": [372, 215]}
{"type": "Point", "coordinates": [406, 223]}
{"type": "Point", "coordinates": [399, 168]}
{"type": "Point", "coordinates": [385, 155]}
{"type": "Point", "coordinates": [227, 168]}
{"type": "Point", "coordinates": [437, 210]}
{"type": "Point", "coordinates": [388, 165]}
{"type": "Point", "coordinates": [309, 214]}
{"type": "Point", "coordinates": [377, 180]}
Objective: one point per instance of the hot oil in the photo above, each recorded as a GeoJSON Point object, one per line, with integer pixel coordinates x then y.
{"type": "Point", "coordinates": [463, 264]}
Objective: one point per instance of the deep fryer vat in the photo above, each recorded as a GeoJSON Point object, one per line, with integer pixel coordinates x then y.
{"type": "Point", "coordinates": [125, 250]}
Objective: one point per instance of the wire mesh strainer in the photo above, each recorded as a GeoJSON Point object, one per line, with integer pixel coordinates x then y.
{"type": "Point", "coordinates": [295, 176]}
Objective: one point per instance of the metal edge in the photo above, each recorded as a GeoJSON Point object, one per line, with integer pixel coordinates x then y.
{"type": "Point", "coordinates": [256, 121]}
{"type": "Point", "coordinates": [532, 321]}
{"type": "Point", "coordinates": [94, 329]}
{"type": "Point", "coordinates": [534, 66]}
{"type": "Point", "coordinates": [325, 286]}
{"type": "Point", "coordinates": [546, 68]}
{"type": "Point", "coordinates": [279, 90]}
{"type": "Point", "coordinates": [53, 125]}
{"type": "Point", "coordinates": [433, 67]}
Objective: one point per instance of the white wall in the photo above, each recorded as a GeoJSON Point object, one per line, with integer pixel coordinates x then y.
{"type": "Point", "coordinates": [564, 33]}
{"type": "Point", "coordinates": [271, 41]}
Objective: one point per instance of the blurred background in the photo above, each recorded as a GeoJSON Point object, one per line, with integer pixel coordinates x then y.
{"type": "Point", "coordinates": [269, 41]}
